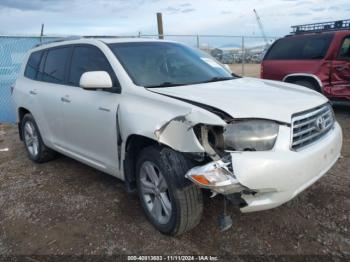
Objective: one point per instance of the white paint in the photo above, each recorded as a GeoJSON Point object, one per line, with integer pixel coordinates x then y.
{"type": "Point", "coordinates": [251, 97]}
{"type": "Point", "coordinates": [82, 131]}
{"type": "Point", "coordinates": [96, 79]}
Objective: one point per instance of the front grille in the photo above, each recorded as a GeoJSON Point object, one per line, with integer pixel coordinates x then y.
{"type": "Point", "coordinates": [311, 125]}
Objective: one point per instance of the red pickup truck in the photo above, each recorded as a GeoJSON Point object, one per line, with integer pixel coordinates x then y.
{"type": "Point", "coordinates": [316, 56]}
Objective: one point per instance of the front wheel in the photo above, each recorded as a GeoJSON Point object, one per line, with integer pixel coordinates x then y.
{"type": "Point", "coordinates": [172, 203]}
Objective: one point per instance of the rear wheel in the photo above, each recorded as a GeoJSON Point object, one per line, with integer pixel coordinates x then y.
{"type": "Point", "coordinates": [36, 149]}
{"type": "Point", "coordinates": [171, 202]}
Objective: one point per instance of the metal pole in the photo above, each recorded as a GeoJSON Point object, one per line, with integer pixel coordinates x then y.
{"type": "Point", "coordinates": [41, 33]}
{"type": "Point", "coordinates": [160, 26]}
{"type": "Point", "coordinates": [197, 41]}
{"type": "Point", "coordinates": [243, 55]}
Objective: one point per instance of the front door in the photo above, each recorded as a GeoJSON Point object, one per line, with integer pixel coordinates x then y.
{"type": "Point", "coordinates": [340, 77]}
{"type": "Point", "coordinates": [90, 116]}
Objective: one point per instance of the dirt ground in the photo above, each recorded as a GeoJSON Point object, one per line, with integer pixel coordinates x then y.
{"type": "Point", "coordinates": [252, 70]}
{"type": "Point", "coordinates": [64, 207]}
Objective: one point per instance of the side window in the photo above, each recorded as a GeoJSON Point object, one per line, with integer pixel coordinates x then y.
{"type": "Point", "coordinates": [300, 47]}
{"type": "Point", "coordinates": [32, 66]}
{"type": "Point", "coordinates": [85, 59]}
{"type": "Point", "coordinates": [345, 49]}
{"type": "Point", "coordinates": [54, 70]}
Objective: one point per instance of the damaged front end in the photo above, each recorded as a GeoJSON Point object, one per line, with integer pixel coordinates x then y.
{"type": "Point", "coordinates": [251, 159]}
{"type": "Point", "coordinates": [203, 137]}
{"type": "Point", "coordinates": [215, 176]}
{"type": "Point", "coordinates": [215, 141]}
{"type": "Point", "coordinates": [219, 142]}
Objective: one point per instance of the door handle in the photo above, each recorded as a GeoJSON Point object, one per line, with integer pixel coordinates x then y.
{"type": "Point", "coordinates": [33, 92]}
{"type": "Point", "coordinates": [104, 109]}
{"type": "Point", "coordinates": [65, 99]}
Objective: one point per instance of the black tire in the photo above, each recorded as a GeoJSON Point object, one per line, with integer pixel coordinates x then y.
{"type": "Point", "coordinates": [185, 197]}
{"type": "Point", "coordinates": [307, 84]}
{"type": "Point", "coordinates": [44, 153]}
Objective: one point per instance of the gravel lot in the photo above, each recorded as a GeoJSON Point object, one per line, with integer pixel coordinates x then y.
{"type": "Point", "coordinates": [64, 207]}
{"type": "Point", "coordinates": [251, 70]}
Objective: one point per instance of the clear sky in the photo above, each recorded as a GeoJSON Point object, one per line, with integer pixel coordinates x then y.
{"type": "Point", "coordinates": [128, 17]}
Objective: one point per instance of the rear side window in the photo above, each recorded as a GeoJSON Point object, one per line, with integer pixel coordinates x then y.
{"type": "Point", "coordinates": [345, 49]}
{"type": "Point", "coordinates": [85, 59]}
{"type": "Point", "coordinates": [32, 66]}
{"type": "Point", "coordinates": [300, 47]}
{"type": "Point", "coordinates": [54, 70]}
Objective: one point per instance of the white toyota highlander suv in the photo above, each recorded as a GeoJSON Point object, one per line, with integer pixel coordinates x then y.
{"type": "Point", "coordinates": [171, 122]}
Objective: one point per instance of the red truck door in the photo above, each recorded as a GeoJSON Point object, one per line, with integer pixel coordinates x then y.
{"type": "Point", "coordinates": [340, 74]}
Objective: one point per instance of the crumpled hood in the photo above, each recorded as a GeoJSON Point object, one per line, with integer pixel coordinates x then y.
{"type": "Point", "coordinates": [250, 97]}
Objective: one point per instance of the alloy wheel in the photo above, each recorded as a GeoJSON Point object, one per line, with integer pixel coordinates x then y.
{"type": "Point", "coordinates": [31, 138]}
{"type": "Point", "coordinates": [155, 192]}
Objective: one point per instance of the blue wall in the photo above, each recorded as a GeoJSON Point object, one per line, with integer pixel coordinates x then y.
{"type": "Point", "coordinates": [12, 52]}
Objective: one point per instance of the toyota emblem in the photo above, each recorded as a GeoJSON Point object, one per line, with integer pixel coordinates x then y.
{"type": "Point", "coordinates": [320, 124]}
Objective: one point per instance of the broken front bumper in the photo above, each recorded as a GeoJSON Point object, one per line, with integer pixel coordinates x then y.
{"type": "Point", "coordinates": [280, 174]}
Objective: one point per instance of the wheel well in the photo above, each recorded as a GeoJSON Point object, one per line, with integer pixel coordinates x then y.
{"type": "Point", "coordinates": [293, 79]}
{"type": "Point", "coordinates": [21, 113]}
{"type": "Point", "coordinates": [134, 145]}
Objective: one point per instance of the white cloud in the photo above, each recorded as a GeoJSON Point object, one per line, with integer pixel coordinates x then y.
{"type": "Point", "coordinates": [121, 17]}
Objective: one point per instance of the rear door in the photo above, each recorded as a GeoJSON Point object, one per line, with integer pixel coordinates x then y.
{"type": "Point", "coordinates": [49, 89]}
{"type": "Point", "coordinates": [90, 116]}
{"type": "Point", "coordinates": [29, 95]}
{"type": "Point", "coordinates": [340, 76]}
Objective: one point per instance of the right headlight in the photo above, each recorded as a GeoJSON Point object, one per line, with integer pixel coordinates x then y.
{"type": "Point", "coordinates": [250, 135]}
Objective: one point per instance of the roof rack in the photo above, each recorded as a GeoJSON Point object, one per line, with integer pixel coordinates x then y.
{"type": "Point", "coordinates": [322, 27]}
{"type": "Point", "coordinates": [68, 38]}
{"type": "Point", "coordinates": [76, 37]}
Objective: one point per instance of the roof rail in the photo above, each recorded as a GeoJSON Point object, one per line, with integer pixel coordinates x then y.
{"type": "Point", "coordinates": [109, 36]}
{"type": "Point", "coordinates": [68, 38]}
{"type": "Point", "coordinates": [322, 27]}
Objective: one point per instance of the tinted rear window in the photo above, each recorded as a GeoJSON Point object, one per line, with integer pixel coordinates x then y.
{"type": "Point", "coordinates": [55, 65]}
{"type": "Point", "coordinates": [32, 66]}
{"type": "Point", "coordinates": [300, 47]}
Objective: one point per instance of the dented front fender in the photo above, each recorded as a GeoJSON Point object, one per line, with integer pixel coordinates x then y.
{"type": "Point", "coordinates": [178, 132]}
{"type": "Point", "coordinates": [163, 119]}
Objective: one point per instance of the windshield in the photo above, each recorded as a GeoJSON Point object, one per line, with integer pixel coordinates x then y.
{"type": "Point", "coordinates": [162, 64]}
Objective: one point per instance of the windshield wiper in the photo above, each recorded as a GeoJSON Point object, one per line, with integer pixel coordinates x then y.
{"type": "Point", "coordinates": [217, 79]}
{"type": "Point", "coordinates": [164, 84]}
{"type": "Point", "coordinates": [170, 84]}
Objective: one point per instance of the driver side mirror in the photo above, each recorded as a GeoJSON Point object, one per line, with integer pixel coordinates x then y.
{"type": "Point", "coordinates": [96, 80]}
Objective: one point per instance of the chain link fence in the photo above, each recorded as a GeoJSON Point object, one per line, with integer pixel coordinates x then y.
{"type": "Point", "coordinates": [242, 53]}
{"type": "Point", "coordinates": [12, 52]}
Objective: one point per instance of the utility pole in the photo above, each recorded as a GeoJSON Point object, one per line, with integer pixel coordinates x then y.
{"type": "Point", "coordinates": [42, 33]}
{"type": "Point", "coordinates": [160, 26]}
{"type": "Point", "coordinates": [243, 55]}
